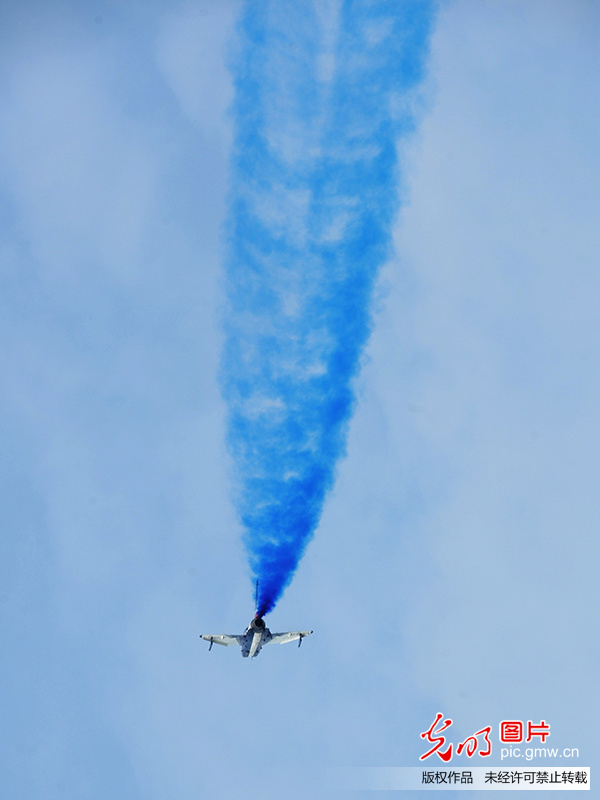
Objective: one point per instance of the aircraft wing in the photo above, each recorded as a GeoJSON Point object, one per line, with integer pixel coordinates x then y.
{"type": "Point", "coordinates": [222, 638]}
{"type": "Point", "coordinates": [282, 638]}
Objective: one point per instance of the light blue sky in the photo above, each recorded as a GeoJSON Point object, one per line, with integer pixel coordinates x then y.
{"type": "Point", "coordinates": [455, 567]}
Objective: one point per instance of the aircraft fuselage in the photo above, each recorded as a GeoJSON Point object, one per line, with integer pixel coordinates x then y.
{"type": "Point", "coordinates": [255, 635]}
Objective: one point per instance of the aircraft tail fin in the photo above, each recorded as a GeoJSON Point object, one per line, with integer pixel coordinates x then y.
{"type": "Point", "coordinates": [256, 600]}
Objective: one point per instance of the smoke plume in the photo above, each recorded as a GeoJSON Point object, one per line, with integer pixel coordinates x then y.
{"type": "Point", "coordinates": [323, 92]}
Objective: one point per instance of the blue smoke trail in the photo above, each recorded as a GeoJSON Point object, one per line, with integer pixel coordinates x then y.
{"type": "Point", "coordinates": [318, 110]}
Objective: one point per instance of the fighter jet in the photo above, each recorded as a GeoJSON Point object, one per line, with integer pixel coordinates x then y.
{"type": "Point", "coordinates": [254, 637]}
